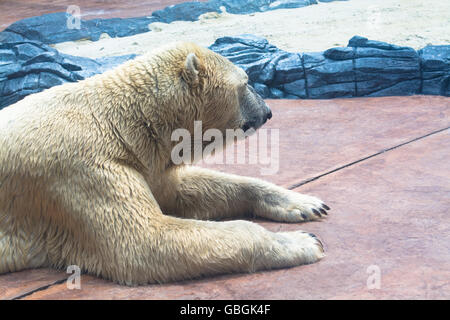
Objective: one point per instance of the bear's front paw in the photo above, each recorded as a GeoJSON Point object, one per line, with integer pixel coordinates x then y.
{"type": "Point", "coordinates": [289, 206]}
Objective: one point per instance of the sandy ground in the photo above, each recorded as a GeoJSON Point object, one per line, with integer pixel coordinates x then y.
{"type": "Point", "coordinates": [413, 23]}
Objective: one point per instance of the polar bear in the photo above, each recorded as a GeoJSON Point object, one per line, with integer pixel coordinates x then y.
{"type": "Point", "coordinates": [86, 177]}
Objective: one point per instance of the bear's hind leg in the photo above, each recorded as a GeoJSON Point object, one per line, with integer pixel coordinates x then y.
{"type": "Point", "coordinates": [15, 254]}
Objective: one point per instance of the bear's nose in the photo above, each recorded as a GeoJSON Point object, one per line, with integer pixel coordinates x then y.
{"type": "Point", "coordinates": [268, 116]}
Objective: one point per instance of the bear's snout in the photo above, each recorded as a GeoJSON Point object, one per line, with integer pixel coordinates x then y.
{"type": "Point", "coordinates": [256, 122]}
{"type": "Point", "coordinates": [254, 109]}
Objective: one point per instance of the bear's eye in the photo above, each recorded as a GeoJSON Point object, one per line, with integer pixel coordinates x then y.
{"type": "Point", "coordinates": [242, 87]}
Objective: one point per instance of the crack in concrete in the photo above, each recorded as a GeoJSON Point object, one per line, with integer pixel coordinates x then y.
{"type": "Point", "coordinates": [296, 185]}
{"type": "Point", "coordinates": [19, 297]}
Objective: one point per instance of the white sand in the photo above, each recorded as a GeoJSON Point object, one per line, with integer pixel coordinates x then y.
{"type": "Point", "coordinates": [413, 23]}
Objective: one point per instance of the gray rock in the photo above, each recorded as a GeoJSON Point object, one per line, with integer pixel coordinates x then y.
{"type": "Point", "coordinates": [12, 85]}
{"type": "Point", "coordinates": [54, 28]}
{"type": "Point", "coordinates": [385, 69]}
{"type": "Point", "coordinates": [6, 36]}
{"type": "Point", "coordinates": [30, 67]}
{"type": "Point", "coordinates": [49, 28]}
{"type": "Point", "coordinates": [361, 42]}
{"type": "Point", "coordinates": [250, 41]}
{"type": "Point", "coordinates": [48, 80]}
{"type": "Point", "coordinates": [296, 88]}
{"type": "Point", "coordinates": [7, 56]}
{"type": "Point", "coordinates": [290, 4]}
{"type": "Point", "coordinates": [328, 74]}
{"type": "Point", "coordinates": [330, 91]}
{"type": "Point", "coordinates": [186, 11]}
{"type": "Point", "coordinates": [250, 6]}
{"type": "Point", "coordinates": [253, 54]}
{"type": "Point", "coordinates": [435, 62]}
{"type": "Point", "coordinates": [26, 51]}
{"type": "Point", "coordinates": [261, 89]}
{"type": "Point", "coordinates": [289, 68]}
{"type": "Point", "coordinates": [340, 53]}
{"type": "Point", "coordinates": [7, 69]}
{"type": "Point", "coordinates": [276, 93]}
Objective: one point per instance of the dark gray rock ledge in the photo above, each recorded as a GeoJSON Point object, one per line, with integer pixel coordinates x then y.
{"type": "Point", "coordinates": [28, 67]}
{"type": "Point", "coordinates": [363, 68]}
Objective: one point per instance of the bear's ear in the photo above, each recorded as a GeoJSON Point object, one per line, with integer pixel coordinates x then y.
{"type": "Point", "coordinates": [191, 68]}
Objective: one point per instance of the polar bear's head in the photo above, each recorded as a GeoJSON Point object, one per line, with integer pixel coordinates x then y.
{"type": "Point", "coordinates": [226, 100]}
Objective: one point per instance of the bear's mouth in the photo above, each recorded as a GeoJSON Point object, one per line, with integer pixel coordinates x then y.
{"type": "Point", "coordinates": [248, 130]}
{"type": "Point", "coordinates": [246, 126]}
{"type": "Point", "coordinates": [256, 122]}
{"type": "Point", "coordinates": [253, 125]}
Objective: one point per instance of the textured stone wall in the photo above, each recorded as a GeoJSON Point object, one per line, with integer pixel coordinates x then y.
{"type": "Point", "coordinates": [28, 67]}
{"type": "Point", "coordinates": [363, 68]}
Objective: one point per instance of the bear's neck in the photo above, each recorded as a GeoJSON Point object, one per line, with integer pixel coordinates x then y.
{"type": "Point", "coordinates": [141, 115]}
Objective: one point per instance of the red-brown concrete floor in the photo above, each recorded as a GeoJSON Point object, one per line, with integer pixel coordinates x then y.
{"type": "Point", "coordinates": [380, 163]}
{"type": "Point", "coordinates": [14, 10]}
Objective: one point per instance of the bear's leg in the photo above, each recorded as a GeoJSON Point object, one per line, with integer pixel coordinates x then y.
{"type": "Point", "coordinates": [10, 257]}
{"type": "Point", "coordinates": [174, 249]}
{"type": "Point", "coordinates": [205, 194]}
{"type": "Point", "coordinates": [18, 253]}
{"type": "Point", "coordinates": [115, 229]}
